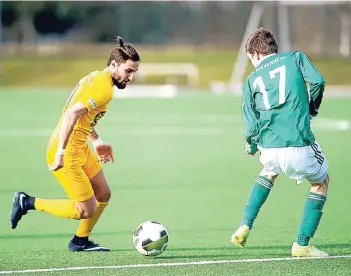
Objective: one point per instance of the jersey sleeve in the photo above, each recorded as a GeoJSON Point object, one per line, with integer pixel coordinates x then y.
{"type": "Point", "coordinates": [96, 94]}
{"type": "Point", "coordinates": [250, 115]}
{"type": "Point", "coordinates": [315, 79]}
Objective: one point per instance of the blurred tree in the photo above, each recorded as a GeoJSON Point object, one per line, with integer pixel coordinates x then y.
{"type": "Point", "coordinates": [25, 28]}
{"type": "Point", "coordinates": [59, 17]}
{"type": "Point", "coordinates": [8, 15]}
{"type": "Point", "coordinates": [52, 19]}
{"type": "Point", "coordinates": [30, 17]}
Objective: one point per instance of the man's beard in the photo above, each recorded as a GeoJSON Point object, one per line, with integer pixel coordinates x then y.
{"type": "Point", "coordinates": [118, 84]}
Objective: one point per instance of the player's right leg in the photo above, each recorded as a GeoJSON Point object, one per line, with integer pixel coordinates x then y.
{"type": "Point", "coordinates": [79, 206]}
{"type": "Point", "coordinates": [66, 208]}
{"type": "Point", "coordinates": [312, 212]}
{"type": "Point", "coordinates": [260, 190]}
{"type": "Point", "coordinates": [310, 220]}
{"type": "Point", "coordinates": [82, 202]}
{"type": "Point", "coordinates": [22, 202]}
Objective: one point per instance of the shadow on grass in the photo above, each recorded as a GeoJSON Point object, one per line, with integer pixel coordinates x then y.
{"type": "Point", "coordinates": [247, 248]}
{"type": "Point", "coordinates": [58, 235]}
{"type": "Point", "coordinates": [227, 251]}
{"type": "Point", "coordinates": [248, 252]}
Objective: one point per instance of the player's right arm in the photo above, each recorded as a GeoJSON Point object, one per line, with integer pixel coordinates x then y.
{"type": "Point", "coordinates": [250, 118]}
{"type": "Point", "coordinates": [70, 118]}
{"type": "Point", "coordinates": [315, 79]}
{"type": "Point", "coordinates": [93, 97]}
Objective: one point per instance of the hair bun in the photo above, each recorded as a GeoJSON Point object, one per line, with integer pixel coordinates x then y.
{"type": "Point", "coordinates": [120, 41]}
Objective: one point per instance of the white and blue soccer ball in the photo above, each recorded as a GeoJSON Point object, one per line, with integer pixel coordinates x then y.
{"type": "Point", "coordinates": [150, 238]}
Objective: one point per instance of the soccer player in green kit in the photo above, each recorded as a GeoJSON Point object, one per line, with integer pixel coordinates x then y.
{"type": "Point", "coordinates": [277, 110]}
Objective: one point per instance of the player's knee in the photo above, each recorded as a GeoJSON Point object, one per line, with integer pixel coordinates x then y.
{"type": "Point", "coordinates": [322, 187]}
{"type": "Point", "coordinates": [272, 178]}
{"type": "Point", "coordinates": [87, 209]}
{"type": "Point", "coordinates": [87, 213]}
{"type": "Point", "coordinates": [103, 196]}
{"type": "Point", "coordinates": [326, 181]}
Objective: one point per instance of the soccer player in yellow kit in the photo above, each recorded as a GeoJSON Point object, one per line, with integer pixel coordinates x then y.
{"type": "Point", "coordinates": [76, 167]}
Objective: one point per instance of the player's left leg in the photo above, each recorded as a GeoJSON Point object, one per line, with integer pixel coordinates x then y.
{"type": "Point", "coordinates": [259, 193]}
{"type": "Point", "coordinates": [102, 194]}
{"type": "Point", "coordinates": [257, 197]}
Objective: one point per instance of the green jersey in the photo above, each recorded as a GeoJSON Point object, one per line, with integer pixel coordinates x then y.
{"type": "Point", "coordinates": [276, 103]}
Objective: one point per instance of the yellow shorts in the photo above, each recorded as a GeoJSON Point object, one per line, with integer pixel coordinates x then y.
{"type": "Point", "coordinates": [80, 165]}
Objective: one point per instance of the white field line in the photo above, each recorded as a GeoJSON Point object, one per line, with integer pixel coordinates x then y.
{"type": "Point", "coordinates": [41, 270]}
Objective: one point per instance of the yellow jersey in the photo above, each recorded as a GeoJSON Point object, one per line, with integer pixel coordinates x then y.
{"type": "Point", "coordinates": [95, 92]}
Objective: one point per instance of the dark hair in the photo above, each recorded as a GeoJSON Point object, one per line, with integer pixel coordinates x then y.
{"type": "Point", "coordinates": [261, 42]}
{"type": "Point", "coordinates": [123, 52]}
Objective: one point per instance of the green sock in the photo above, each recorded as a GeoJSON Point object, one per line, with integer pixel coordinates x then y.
{"type": "Point", "coordinates": [312, 214]}
{"type": "Point", "coordinates": [258, 195]}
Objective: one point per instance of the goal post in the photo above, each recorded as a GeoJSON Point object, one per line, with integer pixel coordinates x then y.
{"type": "Point", "coordinates": [284, 26]}
{"type": "Point", "coordinates": [242, 61]}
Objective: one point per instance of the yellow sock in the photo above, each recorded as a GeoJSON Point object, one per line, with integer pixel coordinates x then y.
{"type": "Point", "coordinates": [65, 208]}
{"type": "Point", "coordinates": [86, 225]}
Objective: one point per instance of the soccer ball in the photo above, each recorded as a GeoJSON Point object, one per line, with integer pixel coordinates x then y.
{"type": "Point", "coordinates": [150, 238]}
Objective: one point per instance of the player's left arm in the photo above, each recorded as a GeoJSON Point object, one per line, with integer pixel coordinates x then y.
{"type": "Point", "coordinates": [103, 150]}
{"type": "Point", "coordinates": [98, 96]}
{"type": "Point", "coordinates": [250, 119]}
{"type": "Point", "coordinates": [316, 81]}
{"type": "Point", "coordinates": [94, 136]}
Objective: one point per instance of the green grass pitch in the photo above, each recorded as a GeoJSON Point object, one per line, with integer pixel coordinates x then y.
{"type": "Point", "coordinates": [180, 161]}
